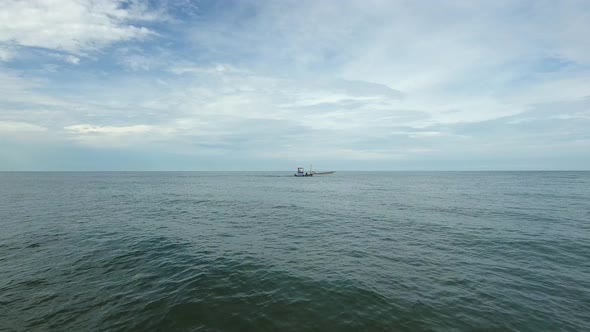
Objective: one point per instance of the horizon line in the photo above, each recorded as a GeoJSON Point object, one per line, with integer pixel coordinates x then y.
{"type": "Point", "coordinates": [236, 171]}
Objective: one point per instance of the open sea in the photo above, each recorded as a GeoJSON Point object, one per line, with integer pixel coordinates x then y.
{"type": "Point", "coordinates": [265, 251]}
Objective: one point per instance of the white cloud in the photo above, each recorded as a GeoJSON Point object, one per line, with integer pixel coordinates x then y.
{"type": "Point", "coordinates": [361, 80]}
{"type": "Point", "coordinates": [109, 130]}
{"type": "Point", "coordinates": [137, 62]}
{"type": "Point", "coordinates": [458, 61]}
{"type": "Point", "coordinates": [190, 68]}
{"type": "Point", "coordinates": [6, 53]}
{"type": "Point", "coordinates": [17, 127]}
{"type": "Point", "coordinates": [71, 26]}
{"type": "Point", "coordinates": [133, 136]}
{"type": "Point", "coordinates": [68, 58]}
{"type": "Point", "coordinates": [72, 59]}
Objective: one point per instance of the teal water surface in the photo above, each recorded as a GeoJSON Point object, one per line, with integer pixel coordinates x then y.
{"type": "Point", "coordinates": [265, 251]}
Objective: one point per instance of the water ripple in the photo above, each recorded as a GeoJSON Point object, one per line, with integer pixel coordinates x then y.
{"type": "Point", "coordinates": [358, 251]}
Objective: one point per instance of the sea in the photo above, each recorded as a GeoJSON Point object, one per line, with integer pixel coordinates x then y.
{"type": "Point", "coordinates": [266, 251]}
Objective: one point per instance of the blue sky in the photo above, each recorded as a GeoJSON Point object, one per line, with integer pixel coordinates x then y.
{"type": "Point", "coordinates": [272, 85]}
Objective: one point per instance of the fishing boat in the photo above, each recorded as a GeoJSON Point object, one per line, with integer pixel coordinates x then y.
{"type": "Point", "coordinates": [322, 173]}
{"type": "Point", "coordinates": [301, 172]}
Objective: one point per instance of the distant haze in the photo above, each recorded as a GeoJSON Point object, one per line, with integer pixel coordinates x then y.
{"type": "Point", "coordinates": [273, 85]}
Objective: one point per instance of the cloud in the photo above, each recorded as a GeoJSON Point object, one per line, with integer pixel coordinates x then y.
{"type": "Point", "coordinates": [67, 58]}
{"type": "Point", "coordinates": [16, 127]}
{"type": "Point", "coordinates": [372, 81]}
{"type": "Point", "coordinates": [454, 57]}
{"type": "Point", "coordinates": [140, 137]}
{"type": "Point", "coordinates": [109, 130]}
{"type": "Point", "coordinates": [191, 68]}
{"type": "Point", "coordinates": [72, 26]}
{"type": "Point", "coordinates": [72, 59]}
{"type": "Point", "coordinates": [6, 53]}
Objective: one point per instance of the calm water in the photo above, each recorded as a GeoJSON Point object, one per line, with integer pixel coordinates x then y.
{"type": "Point", "coordinates": [401, 251]}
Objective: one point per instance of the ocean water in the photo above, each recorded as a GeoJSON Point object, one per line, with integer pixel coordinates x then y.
{"type": "Point", "coordinates": [265, 251]}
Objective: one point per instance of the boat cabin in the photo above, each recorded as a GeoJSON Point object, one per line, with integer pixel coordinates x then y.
{"type": "Point", "coordinates": [301, 172]}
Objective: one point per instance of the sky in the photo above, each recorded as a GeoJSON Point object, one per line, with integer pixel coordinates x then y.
{"type": "Point", "coordinates": [273, 85]}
